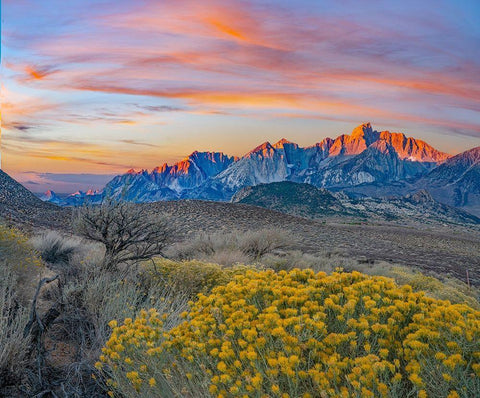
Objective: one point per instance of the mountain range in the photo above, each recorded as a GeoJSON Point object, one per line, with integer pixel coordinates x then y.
{"type": "Point", "coordinates": [364, 163]}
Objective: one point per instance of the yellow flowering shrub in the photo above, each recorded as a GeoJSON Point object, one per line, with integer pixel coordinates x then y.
{"type": "Point", "coordinates": [301, 334]}
{"type": "Point", "coordinates": [15, 250]}
{"type": "Point", "coordinates": [19, 257]}
{"type": "Point", "coordinates": [446, 289]}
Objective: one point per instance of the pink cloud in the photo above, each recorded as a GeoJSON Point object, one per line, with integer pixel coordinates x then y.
{"type": "Point", "coordinates": [218, 57]}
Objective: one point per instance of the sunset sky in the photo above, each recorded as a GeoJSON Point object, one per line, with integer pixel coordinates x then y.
{"type": "Point", "coordinates": [97, 87]}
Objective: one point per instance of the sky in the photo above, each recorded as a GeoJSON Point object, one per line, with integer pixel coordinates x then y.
{"type": "Point", "coordinates": [90, 89]}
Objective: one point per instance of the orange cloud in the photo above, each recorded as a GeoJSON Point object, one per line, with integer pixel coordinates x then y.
{"type": "Point", "coordinates": [226, 29]}
{"type": "Point", "coordinates": [37, 73]}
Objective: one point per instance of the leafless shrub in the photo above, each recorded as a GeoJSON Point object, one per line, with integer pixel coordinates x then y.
{"type": "Point", "coordinates": [256, 244]}
{"type": "Point", "coordinates": [128, 232]}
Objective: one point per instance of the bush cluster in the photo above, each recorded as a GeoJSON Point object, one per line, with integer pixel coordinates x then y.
{"type": "Point", "coordinates": [300, 334]}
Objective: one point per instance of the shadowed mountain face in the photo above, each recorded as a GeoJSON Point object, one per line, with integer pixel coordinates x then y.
{"type": "Point", "coordinates": [168, 182]}
{"type": "Point", "coordinates": [312, 202]}
{"type": "Point", "coordinates": [364, 156]}
{"type": "Point", "coordinates": [292, 198]}
{"type": "Point", "coordinates": [19, 205]}
{"type": "Point", "coordinates": [457, 181]}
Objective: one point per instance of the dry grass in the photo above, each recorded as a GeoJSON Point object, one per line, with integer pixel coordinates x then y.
{"type": "Point", "coordinates": [88, 297]}
{"type": "Point", "coordinates": [13, 319]}
{"type": "Point", "coordinates": [55, 248]}
{"type": "Point", "coordinates": [231, 248]}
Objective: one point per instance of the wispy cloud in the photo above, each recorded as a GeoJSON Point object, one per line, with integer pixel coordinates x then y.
{"type": "Point", "coordinates": [133, 142]}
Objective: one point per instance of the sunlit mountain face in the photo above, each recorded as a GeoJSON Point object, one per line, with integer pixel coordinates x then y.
{"type": "Point", "coordinates": [91, 89]}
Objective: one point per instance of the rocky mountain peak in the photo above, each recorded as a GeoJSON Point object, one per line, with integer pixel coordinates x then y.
{"type": "Point", "coordinates": [360, 139]}
{"type": "Point", "coordinates": [283, 142]}
{"type": "Point", "coordinates": [363, 130]}
{"type": "Point", "coordinates": [266, 149]}
{"type": "Point", "coordinates": [160, 169]}
{"type": "Point", "coordinates": [412, 149]}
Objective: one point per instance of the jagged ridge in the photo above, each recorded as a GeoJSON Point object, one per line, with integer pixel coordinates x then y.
{"type": "Point", "coordinates": [365, 156]}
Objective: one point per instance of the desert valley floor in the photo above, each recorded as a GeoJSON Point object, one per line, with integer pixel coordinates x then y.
{"type": "Point", "coordinates": [436, 249]}
{"type": "Point", "coordinates": [445, 249]}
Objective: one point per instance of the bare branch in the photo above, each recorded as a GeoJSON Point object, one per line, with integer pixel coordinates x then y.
{"type": "Point", "coordinates": [128, 231]}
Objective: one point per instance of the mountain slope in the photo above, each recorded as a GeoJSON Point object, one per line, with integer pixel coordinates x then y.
{"type": "Point", "coordinates": [419, 208]}
{"type": "Point", "coordinates": [456, 182]}
{"type": "Point", "coordinates": [292, 198]}
{"type": "Point", "coordinates": [19, 205]}
{"type": "Point", "coordinates": [308, 201]}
